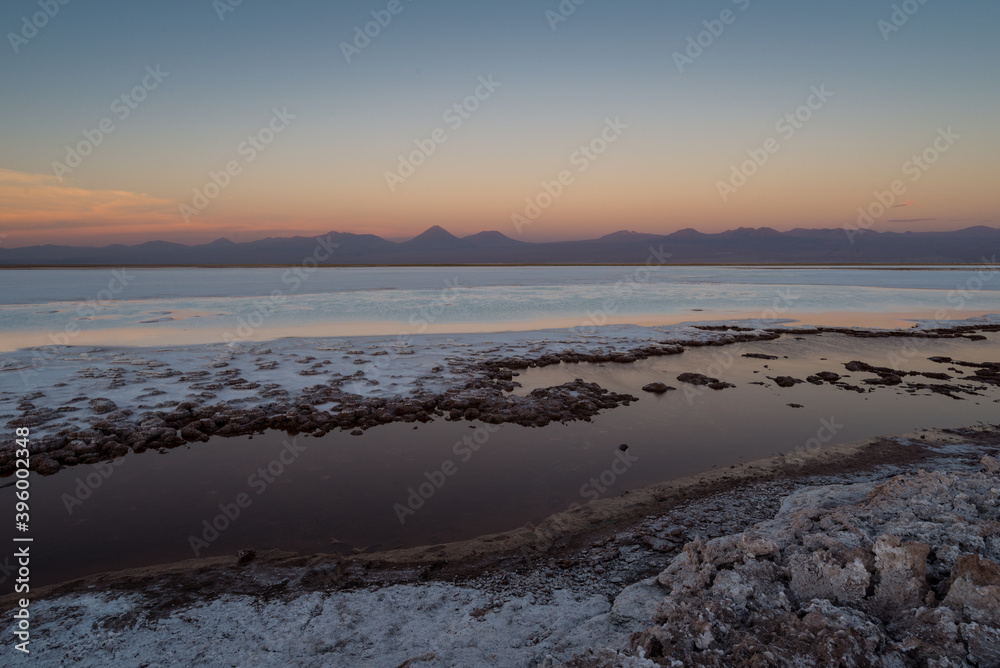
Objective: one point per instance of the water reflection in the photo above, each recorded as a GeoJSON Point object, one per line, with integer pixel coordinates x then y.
{"type": "Point", "coordinates": [342, 492]}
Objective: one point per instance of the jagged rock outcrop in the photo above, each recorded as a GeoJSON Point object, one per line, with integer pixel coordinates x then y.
{"type": "Point", "coordinates": [902, 573]}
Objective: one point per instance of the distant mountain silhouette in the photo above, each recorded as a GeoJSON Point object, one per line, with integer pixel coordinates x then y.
{"type": "Point", "coordinates": [835, 235]}
{"type": "Point", "coordinates": [752, 232]}
{"type": "Point", "coordinates": [436, 237]}
{"type": "Point", "coordinates": [686, 233]}
{"type": "Point", "coordinates": [492, 238]}
{"type": "Point", "coordinates": [977, 231]}
{"type": "Point", "coordinates": [626, 235]}
{"type": "Point", "coordinates": [436, 245]}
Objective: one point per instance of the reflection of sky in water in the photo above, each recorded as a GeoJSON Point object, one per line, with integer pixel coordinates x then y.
{"type": "Point", "coordinates": [218, 299]}
{"type": "Point", "coordinates": [344, 487]}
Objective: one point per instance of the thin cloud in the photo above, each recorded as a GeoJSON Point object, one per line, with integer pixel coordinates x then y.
{"type": "Point", "coordinates": [39, 201]}
{"type": "Point", "coordinates": [913, 220]}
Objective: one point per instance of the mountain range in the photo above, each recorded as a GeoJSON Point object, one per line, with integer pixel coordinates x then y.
{"type": "Point", "coordinates": [438, 246]}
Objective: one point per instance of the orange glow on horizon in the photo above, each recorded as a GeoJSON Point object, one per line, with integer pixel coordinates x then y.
{"type": "Point", "coordinates": [40, 209]}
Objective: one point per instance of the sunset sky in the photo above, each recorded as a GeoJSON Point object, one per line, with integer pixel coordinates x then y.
{"type": "Point", "coordinates": [199, 79]}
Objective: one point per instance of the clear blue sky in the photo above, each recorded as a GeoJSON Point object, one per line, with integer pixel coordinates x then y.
{"type": "Point", "coordinates": [353, 120]}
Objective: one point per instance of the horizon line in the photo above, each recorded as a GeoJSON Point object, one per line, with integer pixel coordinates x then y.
{"type": "Point", "coordinates": [432, 228]}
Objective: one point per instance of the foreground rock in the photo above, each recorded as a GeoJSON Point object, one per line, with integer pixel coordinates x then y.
{"type": "Point", "coordinates": [785, 381]}
{"type": "Point", "coordinates": [701, 379]}
{"type": "Point", "coordinates": [902, 573]}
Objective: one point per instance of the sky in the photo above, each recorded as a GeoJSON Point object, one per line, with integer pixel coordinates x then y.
{"type": "Point", "coordinates": [187, 121]}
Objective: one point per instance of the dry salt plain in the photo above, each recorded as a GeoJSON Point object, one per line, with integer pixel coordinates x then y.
{"type": "Point", "coordinates": [579, 466]}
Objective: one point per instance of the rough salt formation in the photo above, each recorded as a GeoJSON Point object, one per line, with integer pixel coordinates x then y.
{"type": "Point", "coordinates": [987, 373]}
{"type": "Point", "coordinates": [902, 573]}
{"type": "Point", "coordinates": [702, 379]}
{"type": "Point", "coordinates": [421, 626]}
{"type": "Point", "coordinates": [106, 402]}
{"type": "Point", "coordinates": [85, 405]}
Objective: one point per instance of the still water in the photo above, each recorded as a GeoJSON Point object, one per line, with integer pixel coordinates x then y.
{"type": "Point", "coordinates": [342, 492]}
{"type": "Point", "coordinates": [153, 307]}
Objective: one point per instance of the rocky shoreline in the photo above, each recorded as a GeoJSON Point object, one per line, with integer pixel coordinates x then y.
{"type": "Point", "coordinates": [903, 572]}
{"type": "Point", "coordinates": [476, 390]}
{"type": "Point", "coordinates": [897, 573]}
{"type": "Point", "coordinates": [849, 555]}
